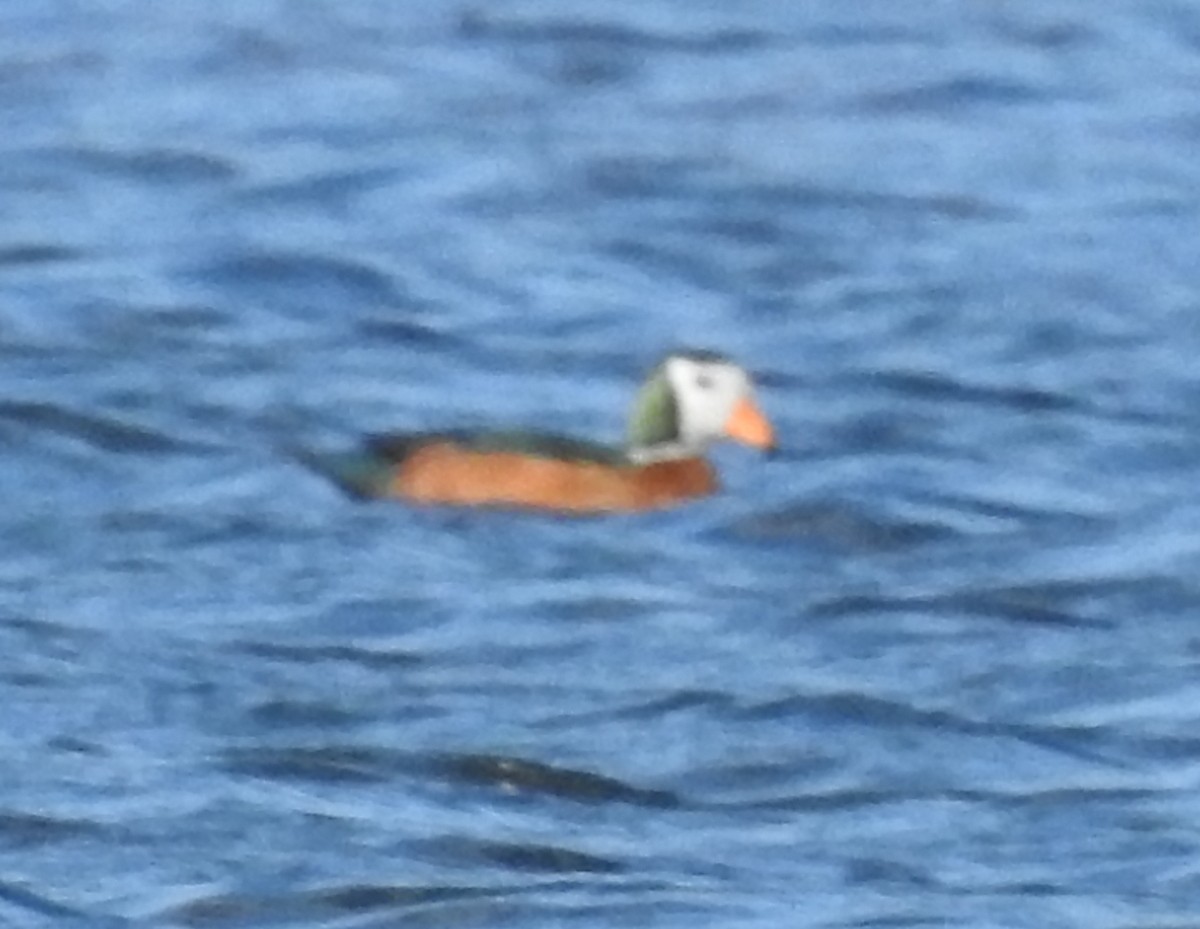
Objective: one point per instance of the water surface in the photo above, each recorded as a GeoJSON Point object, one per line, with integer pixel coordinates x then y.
{"type": "Point", "coordinates": [933, 665]}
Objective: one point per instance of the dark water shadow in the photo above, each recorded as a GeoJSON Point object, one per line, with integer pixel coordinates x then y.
{"type": "Point", "coordinates": [954, 95]}
{"type": "Point", "coordinates": [1083, 743]}
{"type": "Point", "coordinates": [322, 764]}
{"type": "Point", "coordinates": [330, 905]}
{"type": "Point", "coordinates": [33, 905]}
{"type": "Point", "coordinates": [376, 659]}
{"type": "Point", "coordinates": [476, 24]}
{"type": "Point", "coordinates": [19, 829]}
{"type": "Point", "coordinates": [459, 851]}
{"type": "Point", "coordinates": [929, 385]}
{"type": "Point", "coordinates": [149, 165]}
{"type": "Point", "coordinates": [32, 254]}
{"type": "Point", "coordinates": [593, 898]}
{"type": "Point", "coordinates": [306, 286]}
{"type": "Point", "coordinates": [1019, 605]}
{"type": "Point", "coordinates": [510, 774]}
{"type": "Point", "coordinates": [329, 190]}
{"type": "Point", "coordinates": [842, 524]}
{"type": "Point", "coordinates": [105, 433]}
{"type": "Point", "coordinates": [334, 763]}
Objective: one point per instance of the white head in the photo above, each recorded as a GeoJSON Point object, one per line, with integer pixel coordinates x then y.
{"type": "Point", "coordinates": [689, 401]}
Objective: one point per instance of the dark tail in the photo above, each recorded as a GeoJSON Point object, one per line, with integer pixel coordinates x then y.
{"type": "Point", "coordinates": [358, 473]}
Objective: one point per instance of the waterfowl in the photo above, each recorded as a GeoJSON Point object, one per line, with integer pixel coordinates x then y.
{"type": "Point", "coordinates": [688, 401]}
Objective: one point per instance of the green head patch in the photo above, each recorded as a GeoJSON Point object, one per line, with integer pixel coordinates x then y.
{"type": "Point", "coordinates": [655, 417]}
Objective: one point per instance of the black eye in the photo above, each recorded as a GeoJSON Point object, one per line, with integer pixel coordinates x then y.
{"type": "Point", "coordinates": [704, 381]}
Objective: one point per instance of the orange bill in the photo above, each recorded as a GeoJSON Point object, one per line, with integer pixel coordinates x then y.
{"type": "Point", "coordinates": [748, 424]}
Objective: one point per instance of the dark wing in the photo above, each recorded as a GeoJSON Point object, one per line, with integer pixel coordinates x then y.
{"type": "Point", "coordinates": [396, 447]}
{"type": "Point", "coordinates": [546, 445]}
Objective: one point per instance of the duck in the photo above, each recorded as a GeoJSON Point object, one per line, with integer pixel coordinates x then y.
{"type": "Point", "coordinates": [689, 400]}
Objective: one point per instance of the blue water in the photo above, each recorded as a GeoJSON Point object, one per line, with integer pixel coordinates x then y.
{"type": "Point", "coordinates": [935, 665]}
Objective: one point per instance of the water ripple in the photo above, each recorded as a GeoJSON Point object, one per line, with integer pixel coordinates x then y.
{"type": "Point", "coordinates": [522, 775]}
{"type": "Point", "coordinates": [845, 525]}
{"type": "Point", "coordinates": [101, 432]}
{"type": "Point", "coordinates": [475, 24]}
{"type": "Point", "coordinates": [955, 94]}
{"type": "Point", "coordinates": [933, 663]}
{"type": "Point", "coordinates": [371, 658]}
{"type": "Point", "coordinates": [23, 830]}
{"type": "Point", "coordinates": [326, 764]}
{"type": "Point", "coordinates": [1022, 605]}
{"type": "Point", "coordinates": [155, 165]}
{"type": "Point", "coordinates": [303, 285]}
{"type": "Point", "coordinates": [36, 253]}
{"type": "Point", "coordinates": [542, 859]}
{"type": "Point", "coordinates": [30, 902]}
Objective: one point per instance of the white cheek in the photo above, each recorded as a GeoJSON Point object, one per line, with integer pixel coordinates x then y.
{"type": "Point", "coordinates": [706, 411]}
{"type": "Point", "coordinates": [703, 412]}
